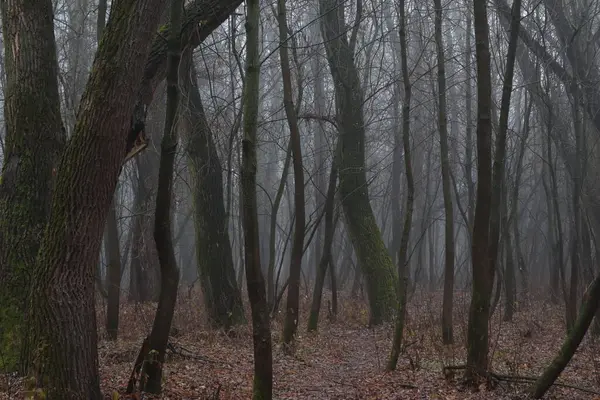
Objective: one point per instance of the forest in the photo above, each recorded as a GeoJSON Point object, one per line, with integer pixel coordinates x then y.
{"type": "Point", "coordinates": [309, 199]}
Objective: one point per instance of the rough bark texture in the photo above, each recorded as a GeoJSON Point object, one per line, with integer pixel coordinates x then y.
{"type": "Point", "coordinates": [371, 252]}
{"type": "Point", "coordinates": [63, 352]}
{"type": "Point", "coordinates": [113, 255]}
{"type": "Point", "coordinates": [34, 140]}
{"type": "Point", "coordinates": [261, 325]}
{"type": "Point", "coordinates": [483, 278]}
{"type": "Point", "coordinates": [213, 249]}
{"type": "Point", "coordinates": [163, 236]}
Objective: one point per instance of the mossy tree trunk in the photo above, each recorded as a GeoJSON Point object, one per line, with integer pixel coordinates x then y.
{"type": "Point", "coordinates": [34, 140]}
{"type": "Point", "coordinates": [373, 257]}
{"type": "Point", "coordinates": [63, 346]}
{"type": "Point", "coordinates": [261, 325]}
{"type": "Point", "coordinates": [213, 249]}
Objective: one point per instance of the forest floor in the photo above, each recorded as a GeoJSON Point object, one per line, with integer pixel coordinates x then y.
{"type": "Point", "coordinates": [346, 359]}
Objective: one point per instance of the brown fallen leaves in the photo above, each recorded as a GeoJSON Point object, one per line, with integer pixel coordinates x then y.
{"type": "Point", "coordinates": [345, 359]}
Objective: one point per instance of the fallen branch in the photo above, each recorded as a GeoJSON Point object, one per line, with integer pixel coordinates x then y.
{"type": "Point", "coordinates": [522, 379]}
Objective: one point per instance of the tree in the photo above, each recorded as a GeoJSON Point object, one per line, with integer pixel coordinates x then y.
{"type": "Point", "coordinates": [213, 249]}
{"type": "Point", "coordinates": [489, 188]}
{"type": "Point", "coordinates": [293, 299]}
{"type": "Point", "coordinates": [366, 238]}
{"type": "Point", "coordinates": [163, 235]}
{"type": "Point", "coordinates": [447, 336]}
{"type": "Point", "coordinates": [261, 325]}
{"type": "Point", "coordinates": [62, 350]}
{"type": "Point", "coordinates": [35, 139]}
{"type": "Point", "coordinates": [403, 250]}
{"type": "Point", "coordinates": [483, 277]}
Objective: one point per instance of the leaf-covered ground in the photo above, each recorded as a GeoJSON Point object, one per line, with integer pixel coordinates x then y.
{"type": "Point", "coordinates": [346, 359]}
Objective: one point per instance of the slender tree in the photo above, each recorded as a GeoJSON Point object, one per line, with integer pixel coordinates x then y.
{"type": "Point", "coordinates": [261, 328]}
{"type": "Point", "coordinates": [293, 299]}
{"type": "Point", "coordinates": [163, 236]}
{"type": "Point", "coordinates": [403, 251]}
{"type": "Point", "coordinates": [447, 336]}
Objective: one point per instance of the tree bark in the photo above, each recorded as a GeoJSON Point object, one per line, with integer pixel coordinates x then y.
{"type": "Point", "coordinates": [63, 352]}
{"type": "Point", "coordinates": [113, 256]}
{"type": "Point", "coordinates": [33, 143]}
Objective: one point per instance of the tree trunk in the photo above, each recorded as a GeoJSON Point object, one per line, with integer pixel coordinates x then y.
{"type": "Point", "coordinates": [483, 278]}
{"type": "Point", "coordinates": [33, 143]}
{"type": "Point", "coordinates": [590, 304]}
{"type": "Point", "coordinates": [326, 258]}
{"type": "Point", "coordinates": [163, 236]}
{"type": "Point", "coordinates": [447, 336]}
{"type": "Point", "coordinates": [403, 256]}
{"type": "Point", "coordinates": [293, 298]}
{"type": "Point", "coordinates": [213, 249]}
{"type": "Point", "coordinates": [261, 329]}
{"type": "Point", "coordinates": [371, 252]}
{"type": "Point", "coordinates": [63, 350]}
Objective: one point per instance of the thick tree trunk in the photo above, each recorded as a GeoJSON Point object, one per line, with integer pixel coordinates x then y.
{"type": "Point", "coordinates": [33, 143]}
{"type": "Point", "coordinates": [213, 248]}
{"type": "Point", "coordinates": [371, 252]}
{"type": "Point", "coordinates": [63, 349]}
{"type": "Point", "coordinates": [261, 329]}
